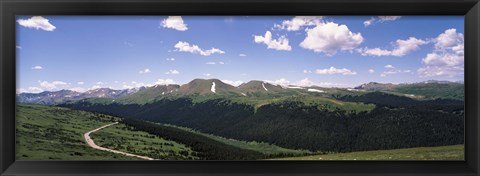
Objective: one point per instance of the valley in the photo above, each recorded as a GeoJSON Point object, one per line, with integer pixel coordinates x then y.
{"type": "Point", "coordinates": [212, 120]}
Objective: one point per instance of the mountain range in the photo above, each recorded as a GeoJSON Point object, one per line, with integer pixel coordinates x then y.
{"type": "Point", "coordinates": [215, 87]}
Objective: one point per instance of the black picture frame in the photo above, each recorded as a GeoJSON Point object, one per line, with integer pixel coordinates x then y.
{"type": "Point", "coordinates": [470, 9]}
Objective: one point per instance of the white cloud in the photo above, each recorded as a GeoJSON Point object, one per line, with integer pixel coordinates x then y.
{"type": "Point", "coordinates": [174, 22]}
{"type": "Point", "coordinates": [186, 47]}
{"type": "Point", "coordinates": [165, 82]}
{"type": "Point", "coordinates": [401, 48]}
{"type": "Point", "coordinates": [207, 74]}
{"type": "Point", "coordinates": [37, 67]}
{"type": "Point", "coordinates": [388, 18]}
{"type": "Point", "coordinates": [100, 83]}
{"type": "Point", "coordinates": [242, 55]}
{"type": "Point", "coordinates": [389, 66]}
{"type": "Point", "coordinates": [80, 83]}
{"type": "Point", "coordinates": [429, 71]}
{"type": "Point", "coordinates": [331, 37]}
{"type": "Point", "coordinates": [277, 44]}
{"type": "Point", "coordinates": [221, 63]}
{"type": "Point", "coordinates": [95, 87]}
{"type": "Point", "coordinates": [282, 82]}
{"type": "Point", "coordinates": [37, 22]}
{"type": "Point", "coordinates": [233, 83]}
{"type": "Point", "coordinates": [333, 70]}
{"type": "Point", "coordinates": [447, 59]}
{"type": "Point", "coordinates": [172, 72]}
{"type": "Point", "coordinates": [449, 39]}
{"type": "Point", "coordinates": [171, 59]}
{"type": "Point", "coordinates": [330, 84]}
{"type": "Point", "coordinates": [369, 22]}
{"type": "Point", "coordinates": [29, 90]}
{"type": "Point", "coordinates": [52, 86]}
{"type": "Point", "coordinates": [299, 21]}
{"type": "Point", "coordinates": [304, 82]}
{"type": "Point", "coordinates": [78, 89]}
{"type": "Point", "coordinates": [393, 72]}
{"type": "Point", "coordinates": [144, 71]}
{"type": "Point", "coordinates": [307, 71]}
{"type": "Point", "coordinates": [211, 63]}
{"type": "Point", "coordinates": [380, 19]}
{"type": "Point", "coordinates": [18, 47]}
{"type": "Point", "coordinates": [371, 71]}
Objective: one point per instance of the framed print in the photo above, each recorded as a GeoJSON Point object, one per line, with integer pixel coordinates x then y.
{"type": "Point", "coordinates": [239, 87]}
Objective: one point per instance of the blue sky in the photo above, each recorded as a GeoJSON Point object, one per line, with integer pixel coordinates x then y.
{"type": "Point", "coordinates": [87, 52]}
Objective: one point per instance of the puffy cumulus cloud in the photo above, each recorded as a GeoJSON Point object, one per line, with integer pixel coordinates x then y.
{"type": "Point", "coordinates": [401, 48]}
{"type": "Point", "coordinates": [329, 38]}
{"type": "Point", "coordinates": [333, 70]}
{"type": "Point", "coordinates": [304, 82]}
{"type": "Point", "coordinates": [450, 39]}
{"type": "Point", "coordinates": [233, 83]}
{"type": "Point", "coordinates": [195, 49]}
{"type": "Point", "coordinates": [299, 21]}
{"type": "Point", "coordinates": [52, 86]}
{"type": "Point", "coordinates": [380, 19]}
{"type": "Point", "coordinates": [371, 71]}
{"type": "Point", "coordinates": [281, 82]}
{"type": "Point", "coordinates": [37, 22]}
{"type": "Point", "coordinates": [144, 71]}
{"type": "Point", "coordinates": [447, 59]}
{"type": "Point", "coordinates": [172, 72]}
{"type": "Point", "coordinates": [389, 66]}
{"type": "Point", "coordinates": [37, 67]}
{"type": "Point", "coordinates": [174, 22]}
{"type": "Point", "coordinates": [164, 82]}
{"type": "Point", "coordinates": [277, 44]}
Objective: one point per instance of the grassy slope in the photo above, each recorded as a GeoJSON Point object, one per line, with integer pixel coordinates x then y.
{"type": "Point", "coordinates": [46, 133]}
{"type": "Point", "coordinates": [434, 90]}
{"type": "Point", "coordinates": [262, 147]}
{"type": "Point", "coordinates": [453, 152]}
{"type": "Point", "coordinates": [52, 133]}
{"type": "Point", "coordinates": [122, 138]}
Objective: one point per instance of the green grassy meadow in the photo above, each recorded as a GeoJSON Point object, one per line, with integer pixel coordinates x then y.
{"type": "Point", "coordinates": [453, 152]}
{"type": "Point", "coordinates": [122, 138]}
{"type": "Point", "coordinates": [51, 133]}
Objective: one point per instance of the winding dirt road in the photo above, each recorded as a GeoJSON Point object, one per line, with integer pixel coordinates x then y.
{"type": "Point", "coordinates": [92, 144]}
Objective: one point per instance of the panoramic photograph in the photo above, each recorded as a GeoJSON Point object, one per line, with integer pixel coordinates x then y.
{"type": "Point", "coordinates": [240, 88]}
